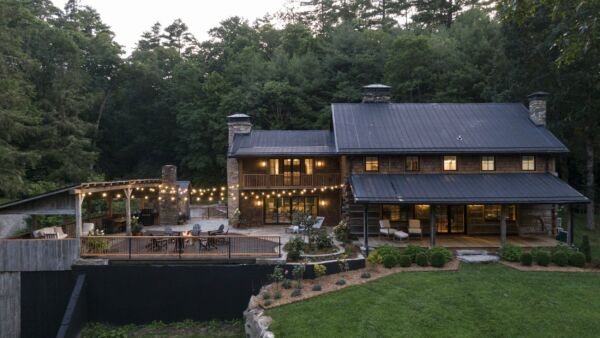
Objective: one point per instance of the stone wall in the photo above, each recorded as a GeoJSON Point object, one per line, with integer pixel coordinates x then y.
{"type": "Point", "coordinates": [237, 124]}
{"type": "Point", "coordinates": [256, 322]}
{"type": "Point", "coordinates": [169, 204]}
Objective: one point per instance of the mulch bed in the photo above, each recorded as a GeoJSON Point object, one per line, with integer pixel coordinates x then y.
{"type": "Point", "coordinates": [549, 268]}
{"type": "Point", "coordinates": [351, 277]}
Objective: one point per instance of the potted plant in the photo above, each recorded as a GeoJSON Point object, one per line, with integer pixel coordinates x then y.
{"type": "Point", "coordinates": [136, 227]}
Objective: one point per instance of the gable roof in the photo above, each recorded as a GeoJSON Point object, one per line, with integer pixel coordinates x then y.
{"type": "Point", "coordinates": [283, 142]}
{"type": "Point", "coordinates": [463, 188]}
{"type": "Point", "coordinates": [439, 128]}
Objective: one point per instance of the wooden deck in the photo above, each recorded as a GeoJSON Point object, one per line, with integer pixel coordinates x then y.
{"type": "Point", "coordinates": [467, 242]}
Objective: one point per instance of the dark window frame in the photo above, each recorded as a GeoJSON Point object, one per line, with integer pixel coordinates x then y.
{"type": "Point", "coordinates": [411, 160]}
{"type": "Point", "coordinates": [367, 164]}
{"type": "Point", "coordinates": [493, 163]}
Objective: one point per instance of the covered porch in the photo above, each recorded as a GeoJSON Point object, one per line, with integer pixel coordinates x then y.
{"type": "Point", "coordinates": [465, 241]}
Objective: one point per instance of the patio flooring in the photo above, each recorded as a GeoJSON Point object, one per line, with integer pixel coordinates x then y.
{"type": "Point", "coordinates": [466, 241]}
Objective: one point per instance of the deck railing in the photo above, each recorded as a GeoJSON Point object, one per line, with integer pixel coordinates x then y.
{"type": "Point", "coordinates": [131, 247]}
{"type": "Point", "coordinates": [295, 181]}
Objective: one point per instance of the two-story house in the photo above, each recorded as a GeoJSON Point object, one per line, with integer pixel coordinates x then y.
{"type": "Point", "coordinates": [458, 168]}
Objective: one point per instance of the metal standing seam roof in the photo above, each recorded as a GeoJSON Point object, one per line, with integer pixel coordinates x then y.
{"type": "Point", "coordinates": [439, 128]}
{"type": "Point", "coordinates": [463, 188]}
{"type": "Point", "coordinates": [283, 142]}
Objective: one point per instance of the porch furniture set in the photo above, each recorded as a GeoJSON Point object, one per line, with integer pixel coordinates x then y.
{"type": "Point", "coordinates": [414, 228]}
{"type": "Point", "coordinates": [300, 228]}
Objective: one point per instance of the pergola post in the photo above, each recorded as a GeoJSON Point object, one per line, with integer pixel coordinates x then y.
{"type": "Point", "coordinates": [432, 225]}
{"type": "Point", "coordinates": [78, 216]}
{"type": "Point", "coordinates": [366, 228]}
{"type": "Point", "coordinates": [502, 224]}
{"type": "Point", "coordinates": [128, 211]}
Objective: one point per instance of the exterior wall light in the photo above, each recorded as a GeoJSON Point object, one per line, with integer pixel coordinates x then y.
{"type": "Point", "coordinates": [263, 164]}
{"type": "Point", "coordinates": [320, 164]}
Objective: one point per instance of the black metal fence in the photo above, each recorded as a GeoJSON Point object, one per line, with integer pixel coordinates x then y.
{"type": "Point", "coordinates": [131, 247]}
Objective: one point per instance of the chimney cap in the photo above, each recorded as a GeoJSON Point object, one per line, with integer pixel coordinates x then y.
{"type": "Point", "coordinates": [538, 95]}
{"type": "Point", "coordinates": [238, 117]}
{"type": "Point", "coordinates": [376, 86]}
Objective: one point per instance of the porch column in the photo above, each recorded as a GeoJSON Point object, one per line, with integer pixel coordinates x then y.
{"type": "Point", "coordinates": [432, 225]}
{"type": "Point", "coordinates": [502, 224]}
{"type": "Point", "coordinates": [571, 224]}
{"type": "Point", "coordinates": [366, 229]}
{"type": "Point", "coordinates": [128, 211]}
{"type": "Point", "coordinates": [78, 218]}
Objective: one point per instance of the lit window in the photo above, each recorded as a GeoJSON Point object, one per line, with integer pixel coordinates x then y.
{"type": "Point", "coordinates": [274, 166]}
{"type": "Point", "coordinates": [412, 163]}
{"type": "Point", "coordinates": [371, 163]}
{"type": "Point", "coordinates": [391, 212]}
{"type": "Point", "coordinates": [491, 212]}
{"type": "Point", "coordinates": [487, 163]}
{"type": "Point", "coordinates": [422, 211]}
{"type": "Point", "coordinates": [528, 163]}
{"type": "Point", "coordinates": [308, 166]}
{"type": "Point", "coordinates": [449, 163]}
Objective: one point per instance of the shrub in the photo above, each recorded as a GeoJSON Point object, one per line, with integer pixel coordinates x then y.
{"type": "Point", "coordinates": [389, 261]}
{"type": "Point", "coordinates": [542, 258]}
{"type": "Point", "coordinates": [405, 261]}
{"type": "Point", "coordinates": [586, 249]}
{"type": "Point", "coordinates": [560, 258]}
{"type": "Point", "coordinates": [294, 248]}
{"type": "Point", "coordinates": [266, 296]}
{"type": "Point", "coordinates": [577, 259]}
{"type": "Point", "coordinates": [296, 293]}
{"type": "Point", "coordinates": [320, 239]}
{"type": "Point", "coordinates": [438, 259]}
{"type": "Point", "coordinates": [526, 258]}
{"type": "Point", "coordinates": [277, 275]}
{"type": "Point", "coordinates": [316, 287]}
{"type": "Point", "coordinates": [342, 231]}
{"type": "Point", "coordinates": [298, 273]}
{"type": "Point", "coordinates": [421, 259]}
{"type": "Point", "coordinates": [412, 251]}
{"type": "Point", "coordinates": [374, 258]}
{"type": "Point", "coordinates": [596, 264]}
{"type": "Point", "coordinates": [267, 303]}
{"type": "Point", "coordinates": [365, 275]}
{"type": "Point", "coordinates": [277, 294]}
{"type": "Point", "coordinates": [340, 282]}
{"type": "Point", "coordinates": [510, 252]}
{"type": "Point", "coordinates": [320, 270]}
{"type": "Point", "coordinates": [447, 254]}
{"type": "Point", "coordinates": [287, 284]}
{"type": "Point", "coordinates": [561, 247]}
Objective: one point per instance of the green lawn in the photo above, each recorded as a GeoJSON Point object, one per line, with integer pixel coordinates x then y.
{"type": "Point", "coordinates": [186, 328]}
{"type": "Point", "coordinates": [477, 301]}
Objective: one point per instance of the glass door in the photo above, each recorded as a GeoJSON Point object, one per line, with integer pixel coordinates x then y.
{"type": "Point", "coordinates": [450, 219]}
{"type": "Point", "coordinates": [291, 171]}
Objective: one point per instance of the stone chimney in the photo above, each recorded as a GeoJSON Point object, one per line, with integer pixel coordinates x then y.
{"type": "Point", "coordinates": [237, 124]}
{"type": "Point", "coordinates": [376, 93]}
{"type": "Point", "coordinates": [168, 203]}
{"type": "Point", "coordinates": [537, 107]}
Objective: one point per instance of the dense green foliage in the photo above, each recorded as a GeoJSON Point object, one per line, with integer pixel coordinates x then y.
{"type": "Point", "coordinates": [526, 258]}
{"type": "Point", "coordinates": [510, 252]}
{"type": "Point", "coordinates": [421, 259]}
{"type": "Point", "coordinates": [577, 259]}
{"type": "Point", "coordinates": [560, 258]}
{"type": "Point", "coordinates": [186, 328]}
{"type": "Point", "coordinates": [405, 261]}
{"type": "Point", "coordinates": [445, 252]}
{"type": "Point", "coordinates": [586, 249]}
{"type": "Point", "coordinates": [74, 108]}
{"type": "Point", "coordinates": [437, 259]}
{"type": "Point", "coordinates": [542, 258]}
{"type": "Point", "coordinates": [557, 300]}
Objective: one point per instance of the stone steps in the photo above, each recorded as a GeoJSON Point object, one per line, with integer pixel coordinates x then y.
{"type": "Point", "coordinates": [476, 256]}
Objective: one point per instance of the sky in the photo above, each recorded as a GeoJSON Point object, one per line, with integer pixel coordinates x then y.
{"type": "Point", "coordinates": [130, 18]}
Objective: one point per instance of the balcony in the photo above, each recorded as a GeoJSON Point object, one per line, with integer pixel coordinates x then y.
{"type": "Point", "coordinates": [288, 181]}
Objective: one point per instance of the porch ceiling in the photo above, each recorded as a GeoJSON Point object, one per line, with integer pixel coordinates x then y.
{"type": "Point", "coordinates": [496, 188]}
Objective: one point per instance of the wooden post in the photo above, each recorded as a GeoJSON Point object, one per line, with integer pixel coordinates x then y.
{"type": "Point", "coordinates": [571, 225]}
{"type": "Point", "coordinates": [366, 229]}
{"type": "Point", "coordinates": [128, 211]}
{"type": "Point", "coordinates": [109, 200]}
{"type": "Point", "coordinates": [432, 224]}
{"type": "Point", "coordinates": [502, 225]}
{"type": "Point", "coordinates": [78, 219]}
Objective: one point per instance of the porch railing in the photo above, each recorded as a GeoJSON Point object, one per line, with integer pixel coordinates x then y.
{"type": "Point", "coordinates": [131, 247]}
{"type": "Point", "coordinates": [283, 181]}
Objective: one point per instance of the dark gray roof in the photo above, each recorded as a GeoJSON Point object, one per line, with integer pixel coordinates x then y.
{"type": "Point", "coordinates": [283, 142]}
{"type": "Point", "coordinates": [463, 188]}
{"type": "Point", "coordinates": [439, 128]}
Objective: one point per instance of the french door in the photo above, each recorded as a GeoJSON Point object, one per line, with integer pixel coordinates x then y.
{"type": "Point", "coordinates": [279, 210]}
{"type": "Point", "coordinates": [451, 219]}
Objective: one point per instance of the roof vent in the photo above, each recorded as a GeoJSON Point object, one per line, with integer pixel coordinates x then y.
{"type": "Point", "coordinates": [376, 93]}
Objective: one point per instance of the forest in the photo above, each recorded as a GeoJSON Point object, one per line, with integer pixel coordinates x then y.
{"type": "Point", "coordinates": [74, 107]}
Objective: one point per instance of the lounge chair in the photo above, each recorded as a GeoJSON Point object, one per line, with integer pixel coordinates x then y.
{"type": "Point", "coordinates": [385, 228]}
{"type": "Point", "coordinates": [50, 233]}
{"type": "Point", "coordinates": [219, 231]}
{"type": "Point", "coordinates": [414, 227]}
{"type": "Point", "coordinates": [318, 223]}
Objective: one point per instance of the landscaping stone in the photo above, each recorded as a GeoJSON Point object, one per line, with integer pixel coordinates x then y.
{"type": "Point", "coordinates": [478, 259]}
{"type": "Point", "coordinates": [257, 324]}
{"type": "Point", "coordinates": [468, 252]}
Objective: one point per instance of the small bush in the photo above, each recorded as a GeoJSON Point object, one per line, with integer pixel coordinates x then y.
{"type": "Point", "coordinates": [412, 251]}
{"type": "Point", "coordinates": [296, 293]}
{"type": "Point", "coordinates": [389, 251]}
{"type": "Point", "coordinates": [266, 296]}
{"type": "Point", "coordinates": [510, 252]}
{"type": "Point", "coordinates": [316, 287]}
{"type": "Point", "coordinates": [294, 248]}
{"type": "Point", "coordinates": [320, 239]}
{"type": "Point", "coordinates": [267, 302]}
{"type": "Point", "coordinates": [447, 254]}
{"type": "Point", "coordinates": [542, 258]}
{"type": "Point", "coordinates": [438, 260]}
{"type": "Point", "coordinates": [586, 249]}
{"type": "Point", "coordinates": [405, 261]}
{"type": "Point", "coordinates": [526, 258]}
{"type": "Point", "coordinates": [561, 247]}
{"type": "Point", "coordinates": [560, 258]}
{"type": "Point", "coordinates": [277, 294]}
{"type": "Point", "coordinates": [389, 261]}
{"type": "Point", "coordinates": [340, 282]}
{"type": "Point", "coordinates": [577, 259]}
{"type": "Point", "coordinates": [286, 284]}
{"type": "Point", "coordinates": [421, 259]}
{"type": "Point", "coordinates": [375, 258]}
{"type": "Point", "coordinates": [320, 270]}
{"type": "Point", "coordinates": [365, 275]}
{"type": "Point", "coordinates": [342, 232]}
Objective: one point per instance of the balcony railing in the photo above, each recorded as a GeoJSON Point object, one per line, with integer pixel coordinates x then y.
{"type": "Point", "coordinates": [289, 181]}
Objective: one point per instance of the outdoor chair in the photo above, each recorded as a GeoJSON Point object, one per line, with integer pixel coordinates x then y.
{"type": "Point", "coordinates": [385, 229]}
{"type": "Point", "coordinates": [414, 227]}
{"type": "Point", "coordinates": [196, 230]}
{"type": "Point", "coordinates": [318, 223]}
{"type": "Point", "coordinates": [219, 231]}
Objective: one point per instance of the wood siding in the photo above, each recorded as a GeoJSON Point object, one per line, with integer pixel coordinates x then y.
{"type": "Point", "coordinates": [10, 304]}
{"type": "Point", "coordinates": [38, 254]}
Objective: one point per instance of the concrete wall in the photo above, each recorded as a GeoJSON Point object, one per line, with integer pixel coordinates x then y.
{"type": "Point", "coordinates": [10, 304]}
{"type": "Point", "coordinates": [10, 223]}
{"type": "Point", "coordinates": [38, 254]}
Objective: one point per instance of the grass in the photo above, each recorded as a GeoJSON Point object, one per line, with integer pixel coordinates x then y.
{"type": "Point", "coordinates": [186, 328]}
{"type": "Point", "coordinates": [477, 301]}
